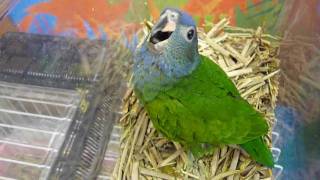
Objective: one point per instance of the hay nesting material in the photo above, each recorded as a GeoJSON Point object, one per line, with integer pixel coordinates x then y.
{"type": "Point", "coordinates": [250, 59]}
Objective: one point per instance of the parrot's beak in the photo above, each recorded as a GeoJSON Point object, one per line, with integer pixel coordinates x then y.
{"type": "Point", "coordinates": [162, 31]}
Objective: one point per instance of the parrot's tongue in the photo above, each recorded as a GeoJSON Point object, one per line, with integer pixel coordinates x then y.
{"type": "Point", "coordinates": [159, 40]}
{"type": "Point", "coordinates": [161, 33]}
{"type": "Point", "coordinates": [160, 36]}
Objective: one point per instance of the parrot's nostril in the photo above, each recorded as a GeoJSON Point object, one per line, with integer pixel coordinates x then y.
{"type": "Point", "coordinates": [160, 36]}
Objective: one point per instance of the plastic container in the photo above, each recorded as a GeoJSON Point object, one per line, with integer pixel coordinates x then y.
{"type": "Point", "coordinates": [34, 122]}
{"type": "Point", "coordinates": [111, 155]}
{"type": "Point", "coordinates": [56, 111]}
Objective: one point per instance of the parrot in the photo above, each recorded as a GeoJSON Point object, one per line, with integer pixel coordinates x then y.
{"type": "Point", "coordinates": [188, 97]}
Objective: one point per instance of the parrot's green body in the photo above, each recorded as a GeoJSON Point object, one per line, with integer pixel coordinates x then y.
{"type": "Point", "coordinates": [206, 108]}
{"type": "Point", "coordinates": [203, 110]}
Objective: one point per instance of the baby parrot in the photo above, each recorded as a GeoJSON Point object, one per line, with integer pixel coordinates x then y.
{"type": "Point", "coordinates": [188, 97]}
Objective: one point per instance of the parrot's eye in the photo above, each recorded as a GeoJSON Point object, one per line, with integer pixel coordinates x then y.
{"type": "Point", "coordinates": [190, 34]}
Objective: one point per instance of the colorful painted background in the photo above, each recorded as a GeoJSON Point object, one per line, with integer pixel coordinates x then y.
{"type": "Point", "coordinates": [297, 21]}
{"type": "Point", "coordinates": [101, 18]}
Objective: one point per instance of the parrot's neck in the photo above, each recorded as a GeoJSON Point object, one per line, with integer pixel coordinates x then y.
{"type": "Point", "coordinates": [175, 66]}
{"type": "Point", "coordinates": [155, 71]}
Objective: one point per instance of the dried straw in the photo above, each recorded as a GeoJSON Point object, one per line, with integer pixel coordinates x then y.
{"type": "Point", "coordinates": [250, 59]}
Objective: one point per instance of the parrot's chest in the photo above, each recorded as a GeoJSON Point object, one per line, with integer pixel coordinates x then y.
{"type": "Point", "coordinates": [153, 73]}
{"type": "Point", "coordinates": [148, 80]}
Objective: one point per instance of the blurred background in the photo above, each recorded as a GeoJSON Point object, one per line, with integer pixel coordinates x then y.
{"type": "Point", "coordinates": [296, 21]}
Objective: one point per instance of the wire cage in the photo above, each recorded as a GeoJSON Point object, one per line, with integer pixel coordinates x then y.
{"type": "Point", "coordinates": [58, 101]}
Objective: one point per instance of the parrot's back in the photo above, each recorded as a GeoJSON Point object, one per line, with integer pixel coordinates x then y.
{"type": "Point", "coordinates": [205, 107]}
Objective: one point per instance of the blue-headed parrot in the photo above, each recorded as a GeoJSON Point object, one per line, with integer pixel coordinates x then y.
{"type": "Point", "coordinates": [188, 97]}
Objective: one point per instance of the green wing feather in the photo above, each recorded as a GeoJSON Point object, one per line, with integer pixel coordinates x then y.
{"type": "Point", "coordinates": [259, 151]}
{"type": "Point", "coordinates": [205, 107]}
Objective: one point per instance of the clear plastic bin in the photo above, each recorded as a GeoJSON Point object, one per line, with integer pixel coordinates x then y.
{"type": "Point", "coordinates": [111, 155]}
{"type": "Point", "coordinates": [33, 123]}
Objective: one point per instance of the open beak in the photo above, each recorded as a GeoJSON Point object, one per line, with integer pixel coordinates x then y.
{"type": "Point", "coordinates": [162, 30]}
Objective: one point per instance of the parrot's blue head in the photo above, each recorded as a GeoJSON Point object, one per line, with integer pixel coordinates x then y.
{"type": "Point", "coordinates": [175, 31]}
{"type": "Point", "coordinates": [169, 53]}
